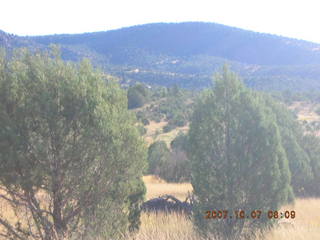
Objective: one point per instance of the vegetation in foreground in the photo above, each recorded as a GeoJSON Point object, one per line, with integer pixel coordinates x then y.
{"type": "Point", "coordinates": [246, 151]}
{"type": "Point", "coordinates": [237, 159]}
{"type": "Point", "coordinates": [70, 159]}
{"type": "Point", "coordinates": [306, 225]}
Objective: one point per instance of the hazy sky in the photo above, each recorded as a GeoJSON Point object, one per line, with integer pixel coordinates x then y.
{"type": "Point", "coordinates": [292, 18]}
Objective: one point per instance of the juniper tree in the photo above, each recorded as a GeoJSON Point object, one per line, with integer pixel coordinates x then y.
{"type": "Point", "coordinates": [311, 144]}
{"type": "Point", "coordinates": [70, 159]}
{"type": "Point", "coordinates": [158, 155]}
{"type": "Point", "coordinates": [238, 162]}
{"type": "Point", "coordinates": [292, 137]}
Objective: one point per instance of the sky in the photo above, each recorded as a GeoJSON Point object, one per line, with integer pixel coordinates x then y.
{"type": "Point", "coordinates": [292, 18]}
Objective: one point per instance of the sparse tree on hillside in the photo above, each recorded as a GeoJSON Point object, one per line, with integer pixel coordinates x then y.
{"type": "Point", "coordinates": [137, 96]}
{"type": "Point", "coordinates": [238, 162]}
{"type": "Point", "coordinates": [70, 159]}
{"type": "Point", "coordinates": [158, 155]}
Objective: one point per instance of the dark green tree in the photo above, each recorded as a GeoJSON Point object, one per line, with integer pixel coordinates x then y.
{"type": "Point", "coordinates": [178, 167]}
{"type": "Point", "coordinates": [180, 142]}
{"type": "Point", "coordinates": [137, 96]}
{"type": "Point", "coordinates": [292, 137]}
{"type": "Point", "coordinates": [158, 155]}
{"type": "Point", "coordinates": [70, 159]}
{"type": "Point", "coordinates": [238, 162]}
{"type": "Point", "coordinates": [311, 145]}
{"type": "Point", "coordinates": [135, 200]}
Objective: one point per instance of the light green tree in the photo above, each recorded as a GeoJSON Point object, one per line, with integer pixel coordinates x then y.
{"type": "Point", "coordinates": [70, 159]}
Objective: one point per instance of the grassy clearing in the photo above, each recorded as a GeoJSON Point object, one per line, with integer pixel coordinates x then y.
{"type": "Point", "coordinates": [306, 225]}
{"type": "Point", "coordinates": [157, 186]}
{"type": "Point", "coordinates": [155, 132]}
{"type": "Point", "coordinates": [153, 129]}
{"type": "Point", "coordinates": [175, 227]}
{"type": "Point", "coordinates": [305, 111]}
{"type": "Point", "coordinates": [169, 136]}
{"type": "Point", "coordinates": [165, 227]}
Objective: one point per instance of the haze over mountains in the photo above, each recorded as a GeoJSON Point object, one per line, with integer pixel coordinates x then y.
{"type": "Point", "coordinates": [187, 54]}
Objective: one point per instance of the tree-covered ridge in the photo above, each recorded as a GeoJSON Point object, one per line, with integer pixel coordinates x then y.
{"type": "Point", "coordinates": [194, 38]}
{"type": "Point", "coordinates": [188, 53]}
{"type": "Point", "coordinates": [11, 41]}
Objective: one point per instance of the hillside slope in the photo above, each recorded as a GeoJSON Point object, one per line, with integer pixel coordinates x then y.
{"type": "Point", "coordinates": [188, 53]}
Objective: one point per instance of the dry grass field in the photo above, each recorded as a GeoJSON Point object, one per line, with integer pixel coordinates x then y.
{"type": "Point", "coordinates": [155, 133]}
{"type": "Point", "coordinates": [306, 225]}
{"type": "Point", "coordinates": [156, 187]}
{"type": "Point", "coordinates": [152, 129]}
{"type": "Point", "coordinates": [305, 111]}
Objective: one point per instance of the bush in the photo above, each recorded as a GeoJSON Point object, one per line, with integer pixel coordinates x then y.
{"type": "Point", "coordinates": [158, 155]}
{"type": "Point", "coordinates": [142, 129]}
{"type": "Point", "coordinates": [172, 166]}
{"type": "Point", "coordinates": [177, 168]}
{"type": "Point", "coordinates": [168, 128]}
{"type": "Point", "coordinates": [137, 96]}
{"type": "Point", "coordinates": [145, 121]}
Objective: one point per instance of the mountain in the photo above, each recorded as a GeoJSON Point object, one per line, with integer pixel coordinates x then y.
{"type": "Point", "coordinates": [11, 41]}
{"type": "Point", "coordinates": [188, 53]}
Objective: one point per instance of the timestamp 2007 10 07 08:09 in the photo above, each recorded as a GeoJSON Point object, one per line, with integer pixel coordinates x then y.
{"type": "Point", "coordinates": [255, 214]}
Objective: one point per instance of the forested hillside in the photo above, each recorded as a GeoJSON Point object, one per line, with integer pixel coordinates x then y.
{"type": "Point", "coordinates": [188, 53]}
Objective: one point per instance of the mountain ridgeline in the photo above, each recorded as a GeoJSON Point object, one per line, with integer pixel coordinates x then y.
{"type": "Point", "coordinates": [187, 54]}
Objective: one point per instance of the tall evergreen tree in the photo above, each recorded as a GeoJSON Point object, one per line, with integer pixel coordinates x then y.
{"type": "Point", "coordinates": [311, 145]}
{"type": "Point", "coordinates": [70, 159]}
{"type": "Point", "coordinates": [238, 162]}
{"type": "Point", "coordinates": [292, 137]}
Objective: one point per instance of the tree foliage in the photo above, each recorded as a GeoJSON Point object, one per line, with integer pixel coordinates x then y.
{"type": "Point", "coordinates": [171, 164]}
{"type": "Point", "coordinates": [178, 168]}
{"type": "Point", "coordinates": [311, 144]}
{"type": "Point", "coordinates": [238, 162]}
{"type": "Point", "coordinates": [158, 154]}
{"type": "Point", "coordinates": [137, 96]}
{"type": "Point", "coordinates": [70, 158]}
{"type": "Point", "coordinates": [292, 137]}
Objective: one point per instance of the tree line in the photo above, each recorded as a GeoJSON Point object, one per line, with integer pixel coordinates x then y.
{"type": "Point", "coordinates": [245, 150]}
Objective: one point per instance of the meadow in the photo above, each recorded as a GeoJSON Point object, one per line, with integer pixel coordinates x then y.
{"type": "Point", "coordinates": [306, 225]}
